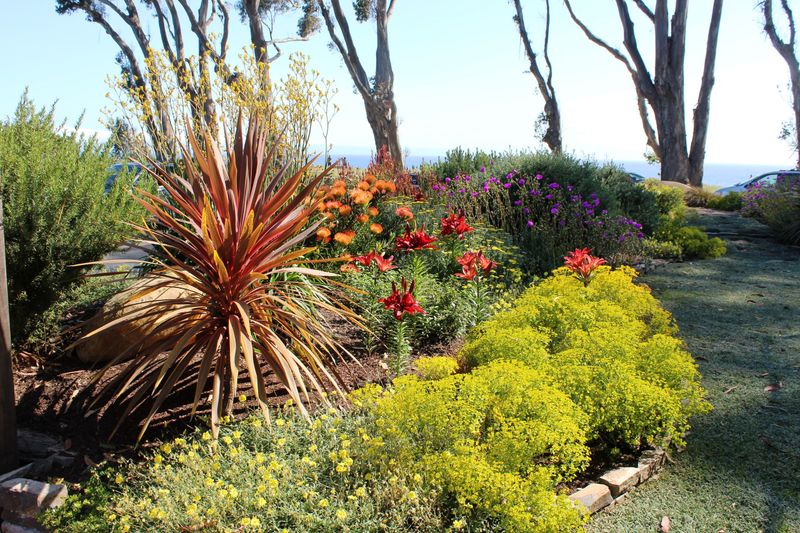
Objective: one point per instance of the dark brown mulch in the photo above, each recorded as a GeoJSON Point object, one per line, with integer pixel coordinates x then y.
{"type": "Point", "coordinates": [55, 394]}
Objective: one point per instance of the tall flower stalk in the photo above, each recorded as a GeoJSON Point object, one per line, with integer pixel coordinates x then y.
{"type": "Point", "coordinates": [401, 302]}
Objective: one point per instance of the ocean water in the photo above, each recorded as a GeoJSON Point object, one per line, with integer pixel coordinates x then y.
{"type": "Point", "coordinates": [722, 175]}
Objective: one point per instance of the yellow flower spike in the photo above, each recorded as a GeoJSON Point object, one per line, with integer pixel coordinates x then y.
{"type": "Point", "coordinates": [242, 398]}
{"type": "Point", "coordinates": [323, 503]}
{"type": "Point", "coordinates": [341, 514]}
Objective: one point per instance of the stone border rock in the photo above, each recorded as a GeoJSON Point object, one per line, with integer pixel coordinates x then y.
{"type": "Point", "coordinates": [612, 487]}
{"type": "Point", "coordinates": [21, 501]}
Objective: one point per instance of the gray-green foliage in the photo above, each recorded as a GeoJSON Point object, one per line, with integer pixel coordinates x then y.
{"type": "Point", "coordinates": [56, 210]}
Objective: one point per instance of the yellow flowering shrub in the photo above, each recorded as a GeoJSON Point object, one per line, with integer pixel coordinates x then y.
{"type": "Point", "coordinates": [609, 346]}
{"type": "Point", "coordinates": [430, 368]}
{"type": "Point", "coordinates": [491, 500]}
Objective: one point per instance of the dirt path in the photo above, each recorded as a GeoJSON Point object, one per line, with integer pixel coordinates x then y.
{"type": "Point", "coordinates": [740, 316]}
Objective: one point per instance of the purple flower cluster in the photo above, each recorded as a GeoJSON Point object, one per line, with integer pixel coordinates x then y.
{"type": "Point", "coordinates": [513, 202]}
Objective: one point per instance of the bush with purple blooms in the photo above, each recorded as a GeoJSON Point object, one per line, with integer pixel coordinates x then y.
{"type": "Point", "coordinates": [776, 205]}
{"type": "Point", "coordinates": [547, 218]}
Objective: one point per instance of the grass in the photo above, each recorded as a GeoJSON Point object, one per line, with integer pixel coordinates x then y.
{"type": "Point", "coordinates": [738, 315]}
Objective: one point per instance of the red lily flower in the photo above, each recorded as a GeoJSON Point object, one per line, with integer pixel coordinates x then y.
{"type": "Point", "coordinates": [468, 271]}
{"type": "Point", "coordinates": [416, 240]}
{"type": "Point", "coordinates": [402, 303]}
{"type": "Point", "coordinates": [583, 264]}
{"type": "Point", "coordinates": [455, 224]}
{"type": "Point", "coordinates": [471, 261]}
{"type": "Point", "coordinates": [364, 260]}
{"type": "Point", "coordinates": [384, 263]}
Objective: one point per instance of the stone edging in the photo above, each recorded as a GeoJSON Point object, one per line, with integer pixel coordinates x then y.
{"type": "Point", "coordinates": [611, 488]}
{"type": "Point", "coordinates": [21, 501]}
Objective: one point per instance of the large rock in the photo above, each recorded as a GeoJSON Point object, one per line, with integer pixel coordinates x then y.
{"type": "Point", "coordinates": [27, 498]}
{"type": "Point", "coordinates": [108, 344]}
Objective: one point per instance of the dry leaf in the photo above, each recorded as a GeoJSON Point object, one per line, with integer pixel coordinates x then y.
{"type": "Point", "coordinates": [88, 461]}
{"type": "Point", "coordinates": [731, 389]}
{"type": "Point", "coordinates": [772, 387]}
{"type": "Point", "coordinates": [665, 524]}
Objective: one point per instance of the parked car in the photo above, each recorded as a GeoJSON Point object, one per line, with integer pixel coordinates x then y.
{"type": "Point", "coordinates": [636, 178]}
{"type": "Point", "coordinates": [118, 168]}
{"type": "Point", "coordinates": [131, 168]}
{"type": "Point", "coordinates": [764, 179]}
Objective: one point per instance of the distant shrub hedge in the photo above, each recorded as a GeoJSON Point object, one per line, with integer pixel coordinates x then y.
{"type": "Point", "coordinates": [55, 208]}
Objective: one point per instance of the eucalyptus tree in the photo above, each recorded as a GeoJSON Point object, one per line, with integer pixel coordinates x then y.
{"type": "Point", "coordinates": [549, 122]}
{"type": "Point", "coordinates": [663, 91]}
{"type": "Point", "coordinates": [787, 48]}
{"type": "Point", "coordinates": [193, 35]}
{"type": "Point", "coordinates": [377, 91]}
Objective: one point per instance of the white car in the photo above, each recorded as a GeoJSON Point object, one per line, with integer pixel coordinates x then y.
{"type": "Point", "coordinates": [764, 179]}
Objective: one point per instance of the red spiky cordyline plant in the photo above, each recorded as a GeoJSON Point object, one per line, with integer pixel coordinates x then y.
{"type": "Point", "coordinates": [233, 235]}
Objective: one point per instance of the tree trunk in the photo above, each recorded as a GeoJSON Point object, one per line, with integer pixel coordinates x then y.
{"type": "Point", "coordinates": [552, 137]}
{"type": "Point", "coordinates": [8, 417]}
{"type": "Point", "coordinates": [794, 72]}
{"type": "Point", "coordinates": [671, 126]}
{"type": "Point", "coordinates": [382, 118]}
{"type": "Point", "coordinates": [786, 48]}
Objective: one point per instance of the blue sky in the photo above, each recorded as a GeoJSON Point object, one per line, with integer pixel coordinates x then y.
{"type": "Point", "coordinates": [461, 77]}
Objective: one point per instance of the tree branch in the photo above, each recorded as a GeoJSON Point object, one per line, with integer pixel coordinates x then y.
{"type": "Point", "coordinates": [701, 112]}
{"type": "Point", "coordinates": [526, 44]}
{"type": "Point", "coordinates": [641, 97]}
{"type": "Point", "coordinates": [645, 9]}
{"type": "Point", "coordinates": [645, 81]}
{"type": "Point", "coordinates": [348, 53]}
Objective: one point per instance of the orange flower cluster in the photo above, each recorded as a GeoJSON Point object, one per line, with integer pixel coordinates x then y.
{"type": "Point", "coordinates": [338, 205]}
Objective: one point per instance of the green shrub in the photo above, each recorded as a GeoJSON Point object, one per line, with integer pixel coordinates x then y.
{"type": "Point", "coordinates": [609, 346]}
{"type": "Point", "coordinates": [669, 200]}
{"type": "Point", "coordinates": [695, 243]}
{"type": "Point", "coordinates": [704, 198]}
{"type": "Point", "coordinates": [56, 212]}
{"type": "Point", "coordinates": [673, 233]}
{"type": "Point", "coordinates": [776, 205]}
{"type": "Point", "coordinates": [729, 202]}
{"type": "Point", "coordinates": [655, 248]}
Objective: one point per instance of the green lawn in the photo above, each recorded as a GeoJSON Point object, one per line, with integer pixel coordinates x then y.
{"type": "Point", "coordinates": [740, 316]}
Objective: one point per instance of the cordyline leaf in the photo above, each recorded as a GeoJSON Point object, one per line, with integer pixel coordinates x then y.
{"type": "Point", "coordinates": [231, 236]}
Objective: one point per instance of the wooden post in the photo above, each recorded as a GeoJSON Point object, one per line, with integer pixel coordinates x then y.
{"type": "Point", "coordinates": [8, 418]}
